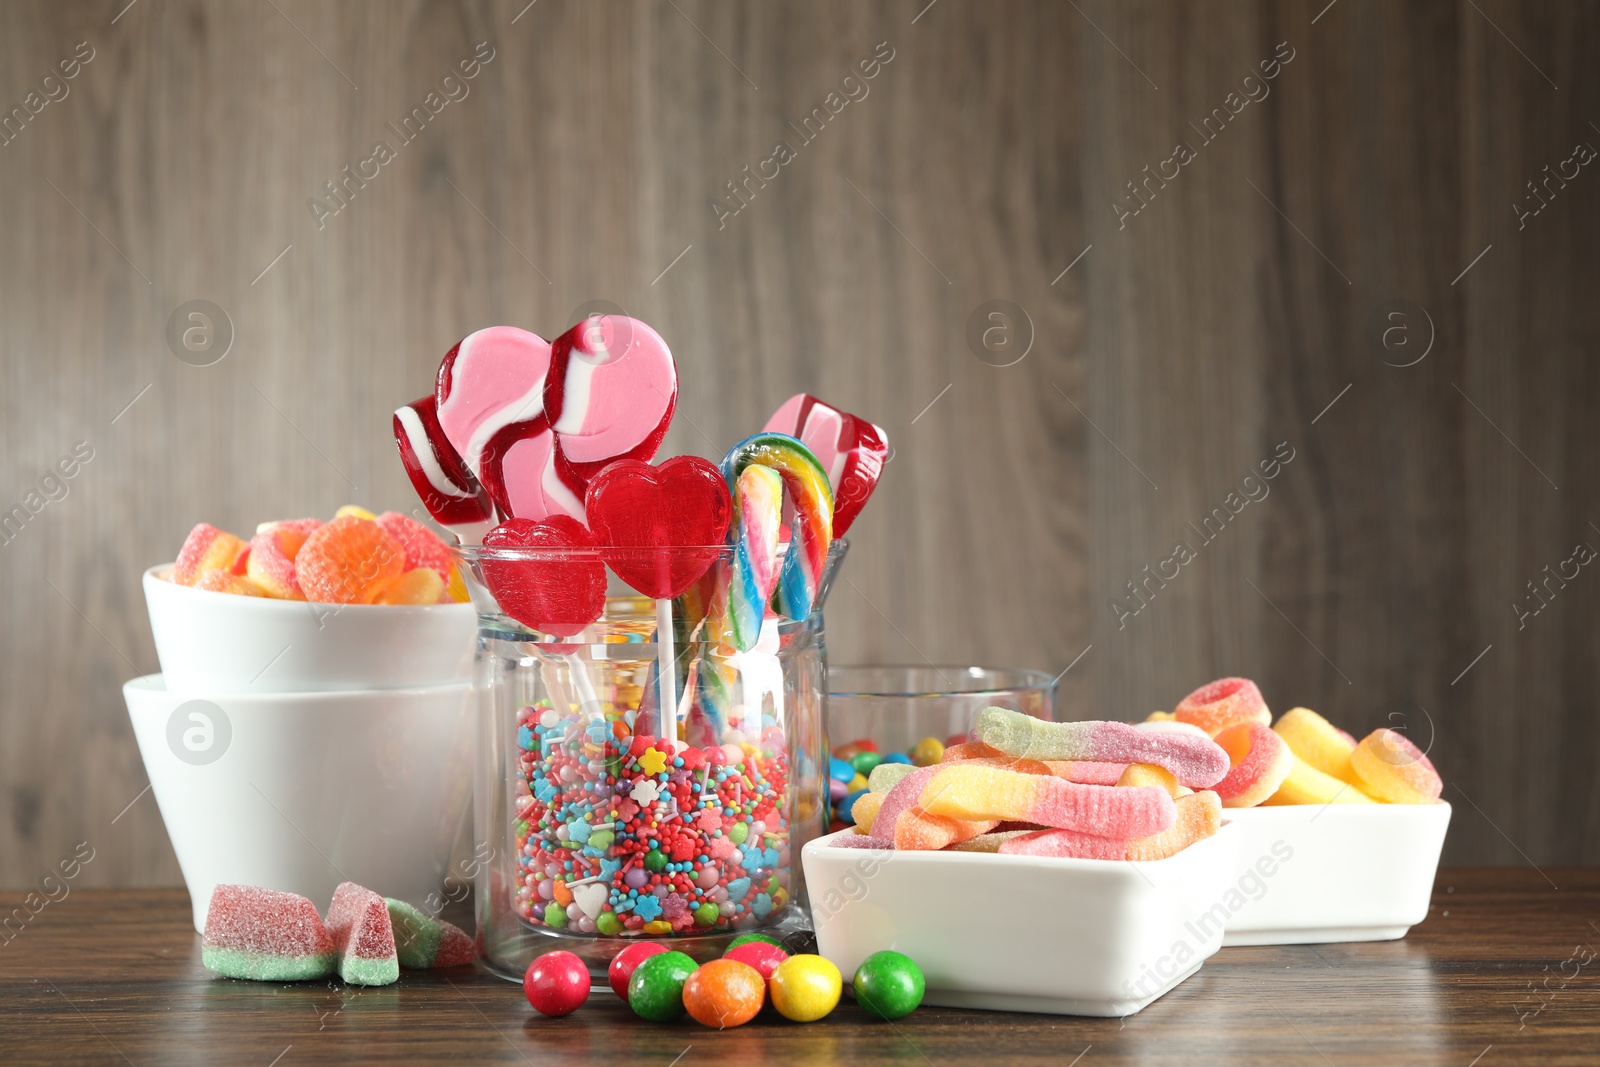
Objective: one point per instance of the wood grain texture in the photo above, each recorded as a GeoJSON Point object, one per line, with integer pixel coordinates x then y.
{"type": "Point", "coordinates": [1503, 969]}
{"type": "Point", "coordinates": [985, 158]}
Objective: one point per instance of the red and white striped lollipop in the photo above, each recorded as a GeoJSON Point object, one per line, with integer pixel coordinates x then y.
{"type": "Point", "coordinates": [447, 488]}
{"type": "Point", "coordinates": [491, 381]}
{"type": "Point", "coordinates": [610, 393]}
{"type": "Point", "coordinates": [851, 449]}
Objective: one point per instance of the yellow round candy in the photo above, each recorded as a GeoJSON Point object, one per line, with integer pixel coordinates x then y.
{"type": "Point", "coordinates": [805, 988]}
{"type": "Point", "coordinates": [858, 783]}
{"type": "Point", "coordinates": [354, 509]}
{"type": "Point", "coordinates": [1317, 741]}
{"type": "Point", "coordinates": [927, 752]}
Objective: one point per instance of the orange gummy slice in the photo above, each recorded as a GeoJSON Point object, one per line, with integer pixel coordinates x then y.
{"type": "Point", "coordinates": [348, 561]}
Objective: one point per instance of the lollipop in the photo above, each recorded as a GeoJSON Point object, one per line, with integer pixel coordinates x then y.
{"type": "Point", "coordinates": [610, 392]}
{"type": "Point", "coordinates": [812, 532]}
{"type": "Point", "coordinates": [851, 449]}
{"type": "Point", "coordinates": [447, 487]}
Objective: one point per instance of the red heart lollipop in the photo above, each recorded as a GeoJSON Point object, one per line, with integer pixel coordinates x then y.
{"type": "Point", "coordinates": [559, 594]}
{"type": "Point", "coordinates": [635, 508]}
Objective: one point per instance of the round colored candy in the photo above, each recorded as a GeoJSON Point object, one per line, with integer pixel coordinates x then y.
{"type": "Point", "coordinates": [624, 963]}
{"type": "Point", "coordinates": [927, 752]}
{"type": "Point", "coordinates": [556, 983]}
{"type": "Point", "coordinates": [840, 770]}
{"type": "Point", "coordinates": [1219, 704]}
{"type": "Point", "coordinates": [888, 984]}
{"type": "Point", "coordinates": [745, 939]}
{"type": "Point", "coordinates": [897, 757]}
{"type": "Point", "coordinates": [655, 991]}
{"type": "Point", "coordinates": [761, 955]}
{"type": "Point", "coordinates": [724, 993]}
{"type": "Point", "coordinates": [863, 762]}
{"type": "Point", "coordinates": [1392, 769]}
{"type": "Point", "coordinates": [805, 988]}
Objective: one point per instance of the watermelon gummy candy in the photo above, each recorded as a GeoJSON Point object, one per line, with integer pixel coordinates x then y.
{"type": "Point", "coordinates": [358, 921]}
{"type": "Point", "coordinates": [265, 935]}
{"type": "Point", "coordinates": [422, 941]}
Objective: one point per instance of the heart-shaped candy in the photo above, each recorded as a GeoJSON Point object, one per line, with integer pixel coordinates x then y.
{"type": "Point", "coordinates": [591, 899]}
{"type": "Point", "coordinates": [492, 379]}
{"type": "Point", "coordinates": [661, 527]}
{"type": "Point", "coordinates": [610, 392]}
{"type": "Point", "coordinates": [557, 592]}
{"type": "Point", "coordinates": [526, 475]}
{"type": "Point", "coordinates": [851, 449]}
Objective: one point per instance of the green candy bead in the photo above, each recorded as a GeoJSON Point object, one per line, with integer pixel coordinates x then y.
{"type": "Point", "coordinates": [555, 915]}
{"type": "Point", "coordinates": [745, 939]}
{"type": "Point", "coordinates": [888, 984]}
{"type": "Point", "coordinates": [738, 832]}
{"type": "Point", "coordinates": [706, 914]}
{"type": "Point", "coordinates": [608, 923]}
{"type": "Point", "coordinates": [655, 991]}
{"type": "Point", "coordinates": [655, 860]}
{"type": "Point", "coordinates": [864, 761]}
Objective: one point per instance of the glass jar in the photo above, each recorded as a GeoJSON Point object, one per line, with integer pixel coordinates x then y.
{"type": "Point", "coordinates": [606, 822]}
{"type": "Point", "coordinates": [897, 707]}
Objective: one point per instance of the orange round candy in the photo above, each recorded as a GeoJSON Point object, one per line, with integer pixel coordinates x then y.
{"type": "Point", "coordinates": [724, 993]}
{"type": "Point", "coordinates": [1219, 704]}
{"type": "Point", "coordinates": [1392, 769]}
{"type": "Point", "coordinates": [348, 561]}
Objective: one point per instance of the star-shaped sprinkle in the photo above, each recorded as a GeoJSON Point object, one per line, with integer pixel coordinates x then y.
{"type": "Point", "coordinates": [652, 762]}
{"type": "Point", "coordinates": [645, 791]}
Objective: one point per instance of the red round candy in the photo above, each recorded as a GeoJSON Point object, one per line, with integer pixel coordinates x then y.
{"type": "Point", "coordinates": [556, 983]}
{"type": "Point", "coordinates": [762, 956]}
{"type": "Point", "coordinates": [624, 963]}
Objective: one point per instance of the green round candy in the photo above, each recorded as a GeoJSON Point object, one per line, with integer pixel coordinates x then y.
{"type": "Point", "coordinates": [655, 991]}
{"type": "Point", "coordinates": [608, 923]}
{"type": "Point", "coordinates": [864, 761]}
{"type": "Point", "coordinates": [738, 832]}
{"type": "Point", "coordinates": [745, 939]}
{"type": "Point", "coordinates": [706, 914]}
{"type": "Point", "coordinates": [555, 915]}
{"type": "Point", "coordinates": [888, 984]}
{"type": "Point", "coordinates": [655, 860]}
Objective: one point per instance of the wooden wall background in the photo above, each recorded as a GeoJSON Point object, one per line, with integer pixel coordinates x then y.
{"type": "Point", "coordinates": [1180, 348]}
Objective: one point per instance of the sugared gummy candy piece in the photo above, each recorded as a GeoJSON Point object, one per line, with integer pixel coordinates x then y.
{"type": "Point", "coordinates": [265, 935]}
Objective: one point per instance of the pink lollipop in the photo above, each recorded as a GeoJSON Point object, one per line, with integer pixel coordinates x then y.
{"type": "Point", "coordinates": [491, 380]}
{"type": "Point", "coordinates": [851, 450]}
{"type": "Point", "coordinates": [610, 392]}
{"type": "Point", "coordinates": [525, 473]}
{"type": "Point", "coordinates": [448, 489]}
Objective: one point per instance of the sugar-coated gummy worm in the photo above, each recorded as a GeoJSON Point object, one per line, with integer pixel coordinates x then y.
{"type": "Point", "coordinates": [989, 842]}
{"type": "Point", "coordinates": [1199, 816]}
{"type": "Point", "coordinates": [962, 791]}
{"type": "Point", "coordinates": [1307, 785]}
{"type": "Point", "coordinates": [811, 533]}
{"type": "Point", "coordinates": [1317, 742]}
{"type": "Point", "coordinates": [918, 830]}
{"type": "Point", "coordinates": [1219, 704]}
{"type": "Point", "coordinates": [1065, 844]}
{"type": "Point", "coordinates": [1197, 761]}
{"type": "Point", "coordinates": [1261, 761]}
{"type": "Point", "coordinates": [1391, 768]}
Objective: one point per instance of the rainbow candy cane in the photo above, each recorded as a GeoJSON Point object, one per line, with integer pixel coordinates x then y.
{"type": "Point", "coordinates": [811, 533]}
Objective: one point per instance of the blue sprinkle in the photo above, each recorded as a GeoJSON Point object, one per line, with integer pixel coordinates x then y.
{"type": "Point", "coordinates": [762, 905]}
{"type": "Point", "coordinates": [738, 888]}
{"type": "Point", "coordinates": [647, 908]}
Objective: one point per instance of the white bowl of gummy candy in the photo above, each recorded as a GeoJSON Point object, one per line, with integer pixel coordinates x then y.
{"type": "Point", "coordinates": [231, 617]}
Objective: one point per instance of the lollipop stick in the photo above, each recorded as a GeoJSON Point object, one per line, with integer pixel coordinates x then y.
{"type": "Point", "coordinates": [666, 671]}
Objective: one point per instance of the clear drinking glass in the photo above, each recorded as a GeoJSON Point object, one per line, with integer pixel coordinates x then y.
{"type": "Point", "coordinates": [899, 706]}
{"type": "Point", "coordinates": [605, 823]}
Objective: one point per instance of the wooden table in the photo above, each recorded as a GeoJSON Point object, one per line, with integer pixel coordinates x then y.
{"type": "Point", "coordinates": [1504, 970]}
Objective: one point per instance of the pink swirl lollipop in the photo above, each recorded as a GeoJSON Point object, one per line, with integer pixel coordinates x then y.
{"type": "Point", "coordinates": [492, 379]}
{"type": "Point", "coordinates": [525, 473]}
{"type": "Point", "coordinates": [610, 392]}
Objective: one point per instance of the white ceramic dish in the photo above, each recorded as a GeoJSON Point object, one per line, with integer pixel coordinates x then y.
{"type": "Point", "coordinates": [211, 643]}
{"type": "Point", "coordinates": [1338, 872]}
{"type": "Point", "coordinates": [1023, 933]}
{"type": "Point", "coordinates": [302, 791]}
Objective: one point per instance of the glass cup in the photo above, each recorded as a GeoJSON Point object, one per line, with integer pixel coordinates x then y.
{"type": "Point", "coordinates": [607, 822]}
{"type": "Point", "coordinates": [897, 707]}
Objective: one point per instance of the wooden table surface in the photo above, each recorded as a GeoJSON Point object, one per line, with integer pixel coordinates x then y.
{"type": "Point", "coordinates": [1504, 970]}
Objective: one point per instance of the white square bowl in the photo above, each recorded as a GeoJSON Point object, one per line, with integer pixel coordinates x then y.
{"type": "Point", "coordinates": [1314, 873]}
{"type": "Point", "coordinates": [1023, 933]}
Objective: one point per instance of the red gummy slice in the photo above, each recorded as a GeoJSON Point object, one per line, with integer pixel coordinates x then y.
{"type": "Point", "coordinates": [422, 547]}
{"type": "Point", "coordinates": [634, 508]}
{"type": "Point", "coordinates": [348, 561]}
{"type": "Point", "coordinates": [559, 594]}
{"type": "Point", "coordinates": [358, 922]}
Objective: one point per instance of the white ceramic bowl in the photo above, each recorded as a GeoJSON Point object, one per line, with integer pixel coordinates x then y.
{"type": "Point", "coordinates": [1024, 933]}
{"type": "Point", "coordinates": [211, 643]}
{"type": "Point", "coordinates": [302, 791]}
{"type": "Point", "coordinates": [1314, 873]}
